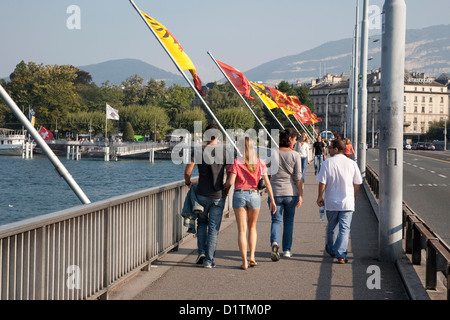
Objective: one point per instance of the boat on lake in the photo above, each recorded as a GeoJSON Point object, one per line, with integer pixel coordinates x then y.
{"type": "Point", "coordinates": [12, 142]}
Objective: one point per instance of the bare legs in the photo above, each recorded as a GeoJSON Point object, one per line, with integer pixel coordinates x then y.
{"type": "Point", "coordinates": [246, 220]}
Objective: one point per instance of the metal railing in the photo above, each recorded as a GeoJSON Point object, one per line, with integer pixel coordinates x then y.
{"type": "Point", "coordinates": [82, 252]}
{"type": "Point", "coordinates": [418, 236]}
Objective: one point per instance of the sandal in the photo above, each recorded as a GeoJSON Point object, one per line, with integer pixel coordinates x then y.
{"type": "Point", "coordinates": [253, 263]}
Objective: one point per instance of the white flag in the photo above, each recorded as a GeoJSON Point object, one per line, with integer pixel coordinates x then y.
{"type": "Point", "coordinates": [111, 113]}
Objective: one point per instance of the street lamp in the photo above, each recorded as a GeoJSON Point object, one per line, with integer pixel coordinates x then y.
{"type": "Point", "coordinates": [326, 112]}
{"type": "Point", "coordinates": [445, 133]}
{"type": "Point", "coordinates": [373, 121]}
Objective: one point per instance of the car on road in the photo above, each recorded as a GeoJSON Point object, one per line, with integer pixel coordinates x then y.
{"type": "Point", "coordinates": [429, 146]}
{"type": "Point", "coordinates": [406, 146]}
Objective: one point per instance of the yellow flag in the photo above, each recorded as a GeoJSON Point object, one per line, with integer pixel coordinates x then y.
{"type": "Point", "coordinates": [170, 43]}
{"type": "Point", "coordinates": [265, 94]}
{"type": "Point", "coordinates": [175, 49]}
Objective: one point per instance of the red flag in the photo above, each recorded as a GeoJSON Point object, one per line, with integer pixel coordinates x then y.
{"type": "Point", "coordinates": [45, 134]}
{"type": "Point", "coordinates": [304, 115]}
{"type": "Point", "coordinates": [238, 79]}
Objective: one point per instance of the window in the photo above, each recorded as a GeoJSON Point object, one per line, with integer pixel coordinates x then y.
{"type": "Point", "coordinates": [415, 109]}
{"type": "Point", "coordinates": [423, 109]}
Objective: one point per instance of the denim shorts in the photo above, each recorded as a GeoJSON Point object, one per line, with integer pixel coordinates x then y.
{"type": "Point", "coordinates": [249, 199]}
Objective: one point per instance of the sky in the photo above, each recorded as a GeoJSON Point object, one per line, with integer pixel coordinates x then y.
{"type": "Point", "coordinates": [241, 33]}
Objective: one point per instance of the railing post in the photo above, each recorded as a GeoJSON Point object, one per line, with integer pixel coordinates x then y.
{"type": "Point", "coordinates": [416, 245]}
{"type": "Point", "coordinates": [431, 267]}
{"type": "Point", "coordinates": [106, 253]}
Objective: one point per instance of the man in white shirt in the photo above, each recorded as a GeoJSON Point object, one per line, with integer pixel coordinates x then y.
{"type": "Point", "coordinates": [339, 178]}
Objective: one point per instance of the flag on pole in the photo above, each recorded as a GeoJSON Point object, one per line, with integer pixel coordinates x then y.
{"type": "Point", "coordinates": [265, 94]}
{"type": "Point", "coordinates": [304, 115]}
{"type": "Point", "coordinates": [238, 79]}
{"type": "Point", "coordinates": [32, 116]}
{"type": "Point", "coordinates": [111, 113]}
{"type": "Point", "coordinates": [315, 118]}
{"type": "Point", "coordinates": [45, 134]}
{"type": "Point", "coordinates": [175, 49]}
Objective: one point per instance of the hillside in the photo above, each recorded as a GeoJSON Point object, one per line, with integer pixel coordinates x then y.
{"type": "Point", "coordinates": [117, 71]}
{"type": "Point", "coordinates": [427, 50]}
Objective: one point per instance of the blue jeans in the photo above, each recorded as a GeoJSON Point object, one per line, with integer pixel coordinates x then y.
{"type": "Point", "coordinates": [337, 240]}
{"type": "Point", "coordinates": [208, 226]}
{"type": "Point", "coordinates": [318, 159]}
{"type": "Point", "coordinates": [304, 164]}
{"type": "Point", "coordinates": [285, 213]}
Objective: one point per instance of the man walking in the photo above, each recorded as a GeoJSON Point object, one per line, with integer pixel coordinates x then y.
{"type": "Point", "coordinates": [210, 193]}
{"type": "Point", "coordinates": [318, 153]}
{"type": "Point", "coordinates": [340, 180]}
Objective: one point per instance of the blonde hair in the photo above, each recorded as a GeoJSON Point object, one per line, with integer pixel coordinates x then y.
{"type": "Point", "coordinates": [250, 155]}
{"type": "Point", "coordinates": [305, 138]}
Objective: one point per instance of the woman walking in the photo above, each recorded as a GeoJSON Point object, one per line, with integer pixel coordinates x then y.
{"type": "Point", "coordinates": [302, 147]}
{"type": "Point", "coordinates": [349, 149]}
{"type": "Point", "coordinates": [245, 174]}
{"type": "Point", "coordinates": [287, 188]}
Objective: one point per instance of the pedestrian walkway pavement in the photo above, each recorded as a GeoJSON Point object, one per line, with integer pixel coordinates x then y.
{"type": "Point", "coordinates": [310, 274]}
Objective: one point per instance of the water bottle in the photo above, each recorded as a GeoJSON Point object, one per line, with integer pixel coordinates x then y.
{"type": "Point", "coordinates": [322, 213]}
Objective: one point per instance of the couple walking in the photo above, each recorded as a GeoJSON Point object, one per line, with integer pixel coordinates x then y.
{"type": "Point", "coordinates": [285, 189]}
{"type": "Point", "coordinates": [284, 196]}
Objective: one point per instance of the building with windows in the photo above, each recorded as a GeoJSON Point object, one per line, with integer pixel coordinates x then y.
{"type": "Point", "coordinates": [425, 101]}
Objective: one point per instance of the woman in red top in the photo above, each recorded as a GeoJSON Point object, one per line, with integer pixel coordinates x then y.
{"type": "Point", "coordinates": [245, 174]}
{"type": "Point", "coordinates": [349, 149]}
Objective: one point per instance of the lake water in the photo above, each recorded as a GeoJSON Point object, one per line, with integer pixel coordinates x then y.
{"type": "Point", "coordinates": [32, 187]}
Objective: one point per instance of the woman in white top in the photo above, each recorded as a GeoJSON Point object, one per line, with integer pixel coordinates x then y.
{"type": "Point", "coordinates": [302, 147]}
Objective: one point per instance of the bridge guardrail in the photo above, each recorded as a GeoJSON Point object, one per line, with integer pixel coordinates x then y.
{"type": "Point", "coordinates": [83, 252]}
{"type": "Point", "coordinates": [418, 236]}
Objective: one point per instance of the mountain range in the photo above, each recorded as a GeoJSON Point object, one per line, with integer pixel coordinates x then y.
{"type": "Point", "coordinates": [427, 50]}
{"type": "Point", "coordinates": [117, 71]}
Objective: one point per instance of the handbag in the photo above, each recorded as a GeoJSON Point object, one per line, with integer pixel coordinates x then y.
{"type": "Point", "coordinates": [261, 182]}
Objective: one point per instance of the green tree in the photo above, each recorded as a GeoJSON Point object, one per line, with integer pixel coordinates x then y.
{"type": "Point", "coordinates": [236, 118]}
{"type": "Point", "coordinates": [133, 90]}
{"type": "Point", "coordinates": [186, 119]}
{"type": "Point", "coordinates": [178, 99]}
{"type": "Point", "coordinates": [128, 132]}
{"type": "Point", "coordinates": [436, 131]}
{"type": "Point", "coordinates": [48, 89]}
{"type": "Point", "coordinates": [145, 118]}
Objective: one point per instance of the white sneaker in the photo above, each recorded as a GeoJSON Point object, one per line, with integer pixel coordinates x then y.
{"type": "Point", "coordinates": [287, 254]}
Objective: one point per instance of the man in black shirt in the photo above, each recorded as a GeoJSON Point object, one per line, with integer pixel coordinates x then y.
{"type": "Point", "coordinates": [318, 154]}
{"type": "Point", "coordinates": [210, 194]}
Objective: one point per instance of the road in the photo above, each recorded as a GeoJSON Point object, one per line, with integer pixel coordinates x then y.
{"type": "Point", "coordinates": [426, 186]}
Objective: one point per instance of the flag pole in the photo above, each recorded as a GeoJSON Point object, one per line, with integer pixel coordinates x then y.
{"type": "Point", "coordinates": [186, 78]}
{"type": "Point", "coordinates": [62, 171]}
{"type": "Point", "coordinates": [106, 124]}
{"type": "Point", "coordinates": [304, 128]}
{"type": "Point", "coordinates": [267, 107]}
{"type": "Point", "coordinates": [289, 120]}
{"type": "Point", "coordinates": [237, 91]}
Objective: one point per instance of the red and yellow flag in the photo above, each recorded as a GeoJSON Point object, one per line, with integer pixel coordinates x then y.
{"type": "Point", "coordinates": [266, 95]}
{"type": "Point", "coordinates": [175, 49]}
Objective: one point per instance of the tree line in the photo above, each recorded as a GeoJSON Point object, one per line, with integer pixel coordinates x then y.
{"type": "Point", "coordinates": [65, 98]}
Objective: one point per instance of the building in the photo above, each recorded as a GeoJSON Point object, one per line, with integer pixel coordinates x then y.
{"type": "Point", "coordinates": [425, 101]}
